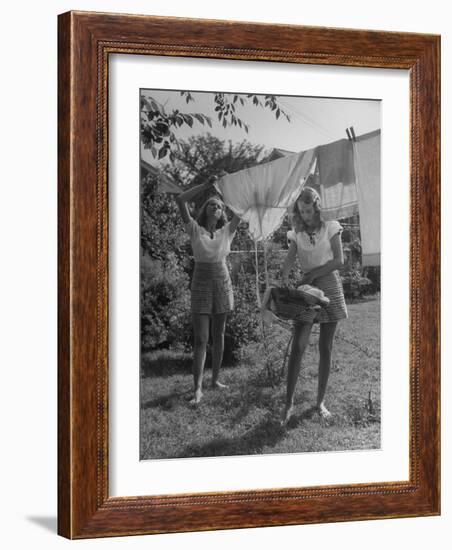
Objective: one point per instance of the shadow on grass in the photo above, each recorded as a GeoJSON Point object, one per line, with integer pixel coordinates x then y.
{"type": "Point", "coordinates": [165, 364]}
{"type": "Point", "coordinates": [267, 433]}
{"type": "Point", "coordinates": [255, 393]}
{"type": "Point", "coordinates": [308, 414]}
{"type": "Point", "coordinates": [167, 402]}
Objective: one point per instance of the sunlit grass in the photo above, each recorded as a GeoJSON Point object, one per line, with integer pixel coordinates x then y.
{"type": "Point", "coordinates": [244, 418]}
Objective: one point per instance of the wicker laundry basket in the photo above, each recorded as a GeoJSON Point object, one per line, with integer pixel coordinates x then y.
{"type": "Point", "coordinates": [288, 303]}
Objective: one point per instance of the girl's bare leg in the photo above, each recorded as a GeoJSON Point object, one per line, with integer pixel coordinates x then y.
{"type": "Point", "coordinates": [299, 343]}
{"type": "Point", "coordinates": [326, 339]}
{"type": "Point", "coordinates": [201, 337]}
{"type": "Point", "coordinates": [218, 328]}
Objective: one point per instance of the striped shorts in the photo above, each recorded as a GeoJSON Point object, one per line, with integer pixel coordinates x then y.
{"type": "Point", "coordinates": [336, 310]}
{"type": "Point", "coordinates": [211, 289]}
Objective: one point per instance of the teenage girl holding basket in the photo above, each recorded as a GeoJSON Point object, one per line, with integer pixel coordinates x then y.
{"type": "Point", "coordinates": [319, 249]}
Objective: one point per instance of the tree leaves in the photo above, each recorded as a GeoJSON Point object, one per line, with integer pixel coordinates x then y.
{"type": "Point", "coordinates": [188, 96]}
{"type": "Point", "coordinates": [158, 127]}
{"type": "Point", "coordinates": [188, 120]}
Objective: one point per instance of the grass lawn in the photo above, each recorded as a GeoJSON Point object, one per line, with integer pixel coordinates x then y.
{"type": "Point", "coordinates": [244, 418]}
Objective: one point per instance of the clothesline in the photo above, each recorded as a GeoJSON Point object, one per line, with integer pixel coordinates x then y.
{"type": "Point", "coordinates": [346, 175]}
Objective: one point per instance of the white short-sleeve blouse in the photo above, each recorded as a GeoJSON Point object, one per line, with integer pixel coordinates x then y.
{"type": "Point", "coordinates": [207, 249]}
{"type": "Point", "coordinates": [317, 254]}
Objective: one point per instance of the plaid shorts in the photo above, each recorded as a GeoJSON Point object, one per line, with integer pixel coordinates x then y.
{"type": "Point", "coordinates": [336, 310]}
{"type": "Point", "coordinates": [211, 289]}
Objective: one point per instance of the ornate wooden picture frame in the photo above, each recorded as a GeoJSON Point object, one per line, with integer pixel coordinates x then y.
{"type": "Point", "coordinates": [86, 40]}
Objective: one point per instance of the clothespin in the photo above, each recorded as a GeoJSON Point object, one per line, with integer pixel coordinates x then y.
{"type": "Point", "coordinates": [348, 134]}
{"type": "Point", "coordinates": [352, 131]}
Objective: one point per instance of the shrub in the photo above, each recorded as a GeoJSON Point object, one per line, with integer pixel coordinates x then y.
{"type": "Point", "coordinates": [162, 229]}
{"type": "Point", "coordinates": [373, 273]}
{"type": "Point", "coordinates": [243, 323]}
{"type": "Point", "coordinates": [165, 303]}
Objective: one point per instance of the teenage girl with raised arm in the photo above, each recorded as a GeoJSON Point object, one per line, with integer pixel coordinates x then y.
{"type": "Point", "coordinates": [211, 288]}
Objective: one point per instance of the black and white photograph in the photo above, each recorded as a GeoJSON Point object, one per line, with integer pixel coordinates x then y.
{"type": "Point", "coordinates": [259, 274]}
{"type": "Point", "coordinates": [223, 247]}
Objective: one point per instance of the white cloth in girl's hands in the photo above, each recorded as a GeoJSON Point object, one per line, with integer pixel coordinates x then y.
{"type": "Point", "coordinates": [315, 292]}
{"type": "Point", "coordinates": [261, 195]}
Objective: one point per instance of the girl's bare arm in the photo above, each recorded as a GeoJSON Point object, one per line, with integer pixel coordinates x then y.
{"type": "Point", "coordinates": [185, 197]}
{"type": "Point", "coordinates": [336, 263]}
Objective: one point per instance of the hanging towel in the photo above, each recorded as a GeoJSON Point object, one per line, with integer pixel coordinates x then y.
{"type": "Point", "coordinates": [336, 179]}
{"type": "Point", "coordinates": [261, 195]}
{"type": "Point", "coordinates": [346, 174]}
{"type": "Point", "coordinates": [367, 166]}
